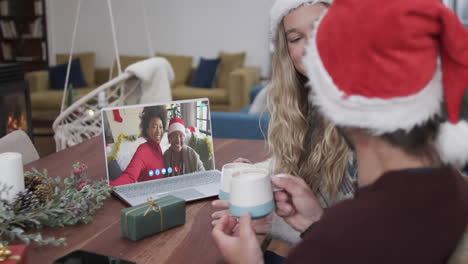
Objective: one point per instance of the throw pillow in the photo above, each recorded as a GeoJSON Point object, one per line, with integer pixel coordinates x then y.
{"type": "Point", "coordinates": [182, 66]}
{"type": "Point", "coordinates": [58, 73]}
{"type": "Point", "coordinates": [229, 63]}
{"type": "Point", "coordinates": [205, 73]}
{"type": "Point", "coordinates": [87, 60]}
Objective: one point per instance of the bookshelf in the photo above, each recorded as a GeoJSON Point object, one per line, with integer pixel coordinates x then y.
{"type": "Point", "coordinates": [23, 34]}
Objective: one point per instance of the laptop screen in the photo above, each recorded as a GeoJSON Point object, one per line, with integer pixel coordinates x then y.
{"type": "Point", "coordinates": [151, 142]}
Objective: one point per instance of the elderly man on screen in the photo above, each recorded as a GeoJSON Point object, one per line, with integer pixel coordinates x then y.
{"type": "Point", "coordinates": [180, 157]}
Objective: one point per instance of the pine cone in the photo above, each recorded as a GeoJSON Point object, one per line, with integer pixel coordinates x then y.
{"type": "Point", "coordinates": [26, 200]}
{"type": "Point", "coordinates": [44, 192]}
{"type": "Point", "coordinates": [32, 181]}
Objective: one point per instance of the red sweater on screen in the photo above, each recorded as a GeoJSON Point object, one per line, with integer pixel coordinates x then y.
{"type": "Point", "coordinates": [409, 216]}
{"type": "Point", "coordinates": [148, 157]}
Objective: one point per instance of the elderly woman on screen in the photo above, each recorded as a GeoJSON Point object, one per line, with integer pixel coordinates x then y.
{"type": "Point", "coordinates": [180, 158]}
{"type": "Point", "coordinates": [147, 163]}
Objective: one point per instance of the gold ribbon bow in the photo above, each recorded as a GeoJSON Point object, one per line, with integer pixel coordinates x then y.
{"type": "Point", "coordinates": [5, 254]}
{"type": "Point", "coordinates": [151, 206]}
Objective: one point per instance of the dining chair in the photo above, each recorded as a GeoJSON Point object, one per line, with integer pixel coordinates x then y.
{"type": "Point", "coordinates": [19, 141]}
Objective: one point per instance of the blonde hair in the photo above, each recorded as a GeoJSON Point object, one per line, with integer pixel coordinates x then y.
{"type": "Point", "coordinates": [303, 142]}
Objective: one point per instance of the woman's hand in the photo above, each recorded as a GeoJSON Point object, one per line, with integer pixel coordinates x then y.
{"type": "Point", "coordinates": [261, 226]}
{"type": "Point", "coordinates": [296, 204]}
{"type": "Point", "coordinates": [237, 246]}
{"type": "Point", "coordinates": [242, 160]}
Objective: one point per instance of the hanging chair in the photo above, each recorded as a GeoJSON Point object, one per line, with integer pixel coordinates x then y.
{"type": "Point", "coordinates": [147, 81]}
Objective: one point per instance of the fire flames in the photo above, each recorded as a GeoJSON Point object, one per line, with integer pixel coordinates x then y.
{"type": "Point", "coordinates": [16, 123]}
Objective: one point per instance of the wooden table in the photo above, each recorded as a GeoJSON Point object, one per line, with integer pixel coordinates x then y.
{"type": "Point", "coordinates": [190, 243]}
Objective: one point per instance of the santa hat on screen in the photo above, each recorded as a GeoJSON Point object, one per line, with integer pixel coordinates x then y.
{"type": "Point", "coordinates": [389, 65]}
{"type": "Point", "coordinates": [191, 129]}
{"type": "Point", "coordinates": [281, 8]}
{"type": "Point", "coordinates": [176, 124]}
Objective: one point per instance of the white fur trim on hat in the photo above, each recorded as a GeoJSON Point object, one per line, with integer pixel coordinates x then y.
{"type": "Point", "coordinates": [452, 143]}
{"type": "Point", "coordinates": [378, 115]}
{"type": "Point", "coordinates": [176, 127]}
{"type": "Point", "coordinates": [280, 9]}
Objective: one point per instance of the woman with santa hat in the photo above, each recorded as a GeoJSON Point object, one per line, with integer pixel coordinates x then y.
{"type": "Point", "coordinates": [179, 157]}
{"type": "Point", "coordinates": [393, 76]}
{"type": "Point", "coordinates": [302, 141]}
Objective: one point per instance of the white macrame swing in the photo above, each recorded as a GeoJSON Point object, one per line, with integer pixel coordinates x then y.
{"type": "Point", "coordinates": [82, 120]}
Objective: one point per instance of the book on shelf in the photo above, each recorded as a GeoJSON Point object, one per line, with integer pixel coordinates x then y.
{"type": "Point", "coordinates": [38, 8]}
{"type": "Point", "coordinates": [12, 26]}
{"type": "Point", "coordinates": [27, 58]}
{"type": "Point", "coordinates": [44, 52]}
{"type": "Point", "coordinates": [4, 8]}
{"type": "Point", "coordinates": [6, 51]}
{"type": "Point", "coordinates": [8, 29]}
{"type": "Point", "coordinates": [37, 28]}
{"type": "Point", "coordinates": [5, 32]}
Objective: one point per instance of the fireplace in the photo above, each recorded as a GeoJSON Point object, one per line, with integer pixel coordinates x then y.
{"type": "Point", "coordinates": [15, 106]}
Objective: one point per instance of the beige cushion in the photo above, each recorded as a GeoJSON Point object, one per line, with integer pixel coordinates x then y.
{"type": "Point", "coordinates": [125, 61]}
{"type": "Point", "coordinates": [216, 95]}
{"type": "Point", "coordinates": [229, 62]}
{"type": "Point", "coordinates": [87, 60]}
{"type": "Point", "coordinates": [182, 66]}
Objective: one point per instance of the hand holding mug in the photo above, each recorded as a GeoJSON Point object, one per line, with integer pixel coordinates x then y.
{"type": "Point", "coordinates": [237, 246]}
{"type": "Point", "coordinates": [297, 203]}
{"type": "Point", "coordinates": [261, 226]}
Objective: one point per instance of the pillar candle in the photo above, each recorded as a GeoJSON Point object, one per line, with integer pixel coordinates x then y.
{"type": "Point", "coordinates": [11, 174]}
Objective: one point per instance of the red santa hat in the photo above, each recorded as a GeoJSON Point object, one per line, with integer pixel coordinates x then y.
{"type": "Point", "coordinates": [281, 8]}
{"type": "Point", "coordinates": [191, 129]}
{"type": "Point", "coordinates": [176, 124]}
{"type": "Point", "coordinates": [389, 65]}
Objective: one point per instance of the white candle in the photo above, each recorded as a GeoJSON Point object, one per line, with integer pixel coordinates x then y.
{"type": "Point", "coordinates": [11, 174]}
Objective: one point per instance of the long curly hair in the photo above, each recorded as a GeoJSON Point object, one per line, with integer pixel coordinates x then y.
{"type": "Point", "coordinates": [148, 114]}
{"type": "Point", "coordinates": [303, 143]}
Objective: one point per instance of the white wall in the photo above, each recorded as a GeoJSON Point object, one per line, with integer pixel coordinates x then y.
{"type": "Point", "coordinates": [130, 124]}
{"type": "Point", "coordinates": [185, 27]}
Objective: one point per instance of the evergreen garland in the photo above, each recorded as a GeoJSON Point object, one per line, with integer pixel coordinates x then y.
{"type": "Point", "coordinates": [48, 202]}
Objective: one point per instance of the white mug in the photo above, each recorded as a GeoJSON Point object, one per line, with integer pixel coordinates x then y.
{"type": "Point", "coordinates": [252, 192]}
{"type": "Point", "coordinates": [226, 174]}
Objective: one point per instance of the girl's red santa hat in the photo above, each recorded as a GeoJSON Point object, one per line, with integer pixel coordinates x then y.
{"type": "Point", "coordinates": [176, 124]}
{"type": "Point", "coordinates": [392, 65]}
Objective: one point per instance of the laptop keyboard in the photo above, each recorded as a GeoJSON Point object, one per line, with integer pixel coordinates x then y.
{"type": "Point", "coordinates": [186, 194]}
{"type": "Point", "coordinates": [170, 185]}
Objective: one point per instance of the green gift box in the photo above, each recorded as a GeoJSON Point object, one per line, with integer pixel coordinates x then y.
{"type": "Point", "coordinates": [152, 217]}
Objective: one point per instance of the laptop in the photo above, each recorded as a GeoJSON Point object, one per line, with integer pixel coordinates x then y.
{"type": "Point", "coordinates": [160, 149]}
